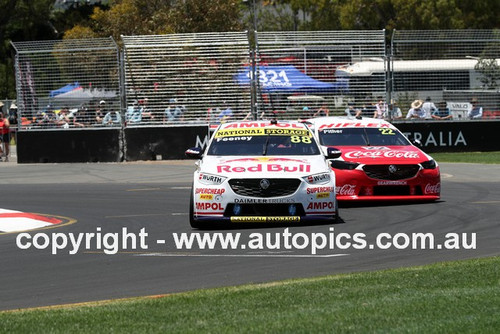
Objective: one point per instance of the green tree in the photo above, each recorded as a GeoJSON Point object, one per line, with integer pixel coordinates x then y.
{"type": "Point", "coordinates": [206, 16]}
{"type": "Point", "coordinates": [21, 20]}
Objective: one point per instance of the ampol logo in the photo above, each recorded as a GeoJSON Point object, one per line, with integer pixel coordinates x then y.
{"type": "Point", "coordinates": [16, 221]}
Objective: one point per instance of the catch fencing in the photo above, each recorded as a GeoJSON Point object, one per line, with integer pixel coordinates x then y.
{"type": "Point", "coordinates": [210, 77]}
{"type": "Point", "coordinates": [181, 82]}
{"type": "Point", "coordinates": [184, 78]}
{"type": "Point", "coordinates": [60, 83]}
{"type": "Point", "coordinates": [451, 67]}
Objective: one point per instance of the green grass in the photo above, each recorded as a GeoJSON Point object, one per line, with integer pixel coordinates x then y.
{"type": "Point", "coordinates": [472, 157]}
{"type": "Point", "coordinates": [452, 297]}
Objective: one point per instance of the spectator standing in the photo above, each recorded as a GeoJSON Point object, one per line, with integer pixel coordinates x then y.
{"type": "Point", "coordinates": [13, 121]}
{"type": "Point", "coordinates": [429, 107]}
{"type": "Point", "coordinates": [475, 110]}
{"type": "Point", "coordinates": [4, 136]}
{"type": "Point", "coordinates": [380, 109]}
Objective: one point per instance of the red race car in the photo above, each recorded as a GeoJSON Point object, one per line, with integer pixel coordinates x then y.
{"type": "Point", "coordinates": [378, 162]}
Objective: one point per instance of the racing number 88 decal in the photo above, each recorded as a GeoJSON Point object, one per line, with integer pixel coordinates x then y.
{"type": "Point", "coordinates": [386, 131]}
{"type": "Point", "coordinates": [298, 139]}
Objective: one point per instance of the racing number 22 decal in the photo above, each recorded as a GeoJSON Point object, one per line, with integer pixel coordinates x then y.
{"type": "Point", "coordinates": [386, 131]}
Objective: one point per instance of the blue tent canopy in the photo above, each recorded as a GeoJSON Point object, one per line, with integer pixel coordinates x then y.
{"type": "Point", "coordinates": [287, 78]}
{"type": "Point", "coordinates": [65, 89]}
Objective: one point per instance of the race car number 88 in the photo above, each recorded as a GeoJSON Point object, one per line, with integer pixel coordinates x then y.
{"type": "Point", "coordinates": [298, 139]}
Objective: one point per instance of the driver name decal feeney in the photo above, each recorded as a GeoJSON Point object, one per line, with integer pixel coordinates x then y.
{"type": "Point", "coordinates": [17, 221]}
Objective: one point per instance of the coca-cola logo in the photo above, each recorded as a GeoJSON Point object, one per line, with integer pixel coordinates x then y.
{"type": "Point", "coordinates": [381, 154]}
{"type": "Point", "coordinates": [346, 190]}
{"type": "Point", "coordinates": [433, 188]}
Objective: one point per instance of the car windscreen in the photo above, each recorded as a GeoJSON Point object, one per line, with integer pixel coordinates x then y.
{"type": "Point", "coordinates": [261, 142]}
{"type": "Point", "coordinates": [362, 137]}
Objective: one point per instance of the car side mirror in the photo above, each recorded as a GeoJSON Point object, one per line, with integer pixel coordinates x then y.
{"type": "Point", "coordinates": [333, 153]}
{"type": "Point", "coordinates": [194, 153]}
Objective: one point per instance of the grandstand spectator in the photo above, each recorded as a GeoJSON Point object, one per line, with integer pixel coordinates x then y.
{"type": "Point", "coordinates": [100, 112]}
{"type": "Point", "coordinates": [133, 115]}
{"type": "Point", "coordinates": [173, 111]}
{"type": "Point", "coordinates": [352, 111]}
{"type": "Point", "coordinates": [322, 111]}
{"type": "Point", "coordinates": [112, 118]}
{"type": "Point", "coordinates": [475, 110]}
{"type": "Point", "coordinates": [225, 114]}
{"type": "Point", "coordinates": [416, 111]}
{"type": "Point", "coordinates": [380, 109]}
{"type": "Point", "coordinates": [395, 111]}
{"type": "Point", "coordinates": [442, 112]}
{"type": "Point", "coordinates": [429, 107]}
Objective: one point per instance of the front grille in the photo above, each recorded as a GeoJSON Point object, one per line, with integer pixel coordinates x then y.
{"type": "Point", "coordinates": [269, 210]}
{"type": "Point", "coordinates": [384, 172]}
{"type": "Point", "coordinates": [252, 187]}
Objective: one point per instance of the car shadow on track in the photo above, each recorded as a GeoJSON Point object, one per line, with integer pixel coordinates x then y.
{"type": "Point", "coordinates": [243, 226]}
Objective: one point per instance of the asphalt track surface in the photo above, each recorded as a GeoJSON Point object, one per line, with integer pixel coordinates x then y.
{"type": "Point", "coordinates": [154, 197]}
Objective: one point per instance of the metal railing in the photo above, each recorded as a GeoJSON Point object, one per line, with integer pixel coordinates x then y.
{"type": "Point", "coordinates": [164, 80]}
{"type": "Point", "coordinates": [60, 84]}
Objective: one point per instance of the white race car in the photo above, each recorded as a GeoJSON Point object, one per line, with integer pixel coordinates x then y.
{"type": "Point", "coordinates": [262, 172]}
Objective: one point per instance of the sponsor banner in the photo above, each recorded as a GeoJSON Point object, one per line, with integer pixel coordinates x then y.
{"type": "Point", "coordinates": [243, 134]}
{"type": "Point", "coordinates": [263, 200]}
{"type": "Point", "coordinates": [319, 190]}
{"type": "Point", "coordinates": [346, 190]}
{"type": "Point", "coordinates": [272, 168]}
{"type": "Point", "coordinates": [212, 191]}
{"type": "Point", "coordinates": [382, 154]}
{"type": "Point", "coordinates": [432, 188]}
{"type": "Point", "coordinates": [354, 125]}
{"type": "Point", "coordinates": [277, 219]}
{"type": "Point", "coordinates": [263, 124]}
{"type": "Point", "coordinates": [455, 136]}
{"type": "Point", "coordinates": [320, 206]}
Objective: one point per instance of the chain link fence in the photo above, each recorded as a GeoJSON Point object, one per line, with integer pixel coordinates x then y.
{"type": "Point", "coordinates": [451, 68]}
{"type": "Point", "coordinates": [60, 84]}
{"type": "Point", "coordinates": [184, 78]}
{"type": "Point", "coordinates": [299, 71]}
{"type": "Point", "coordinates": [181, 79]}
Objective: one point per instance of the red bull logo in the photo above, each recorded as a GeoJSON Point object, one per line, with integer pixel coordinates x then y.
{"type": "Point", "coordinates": [277, 168]}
